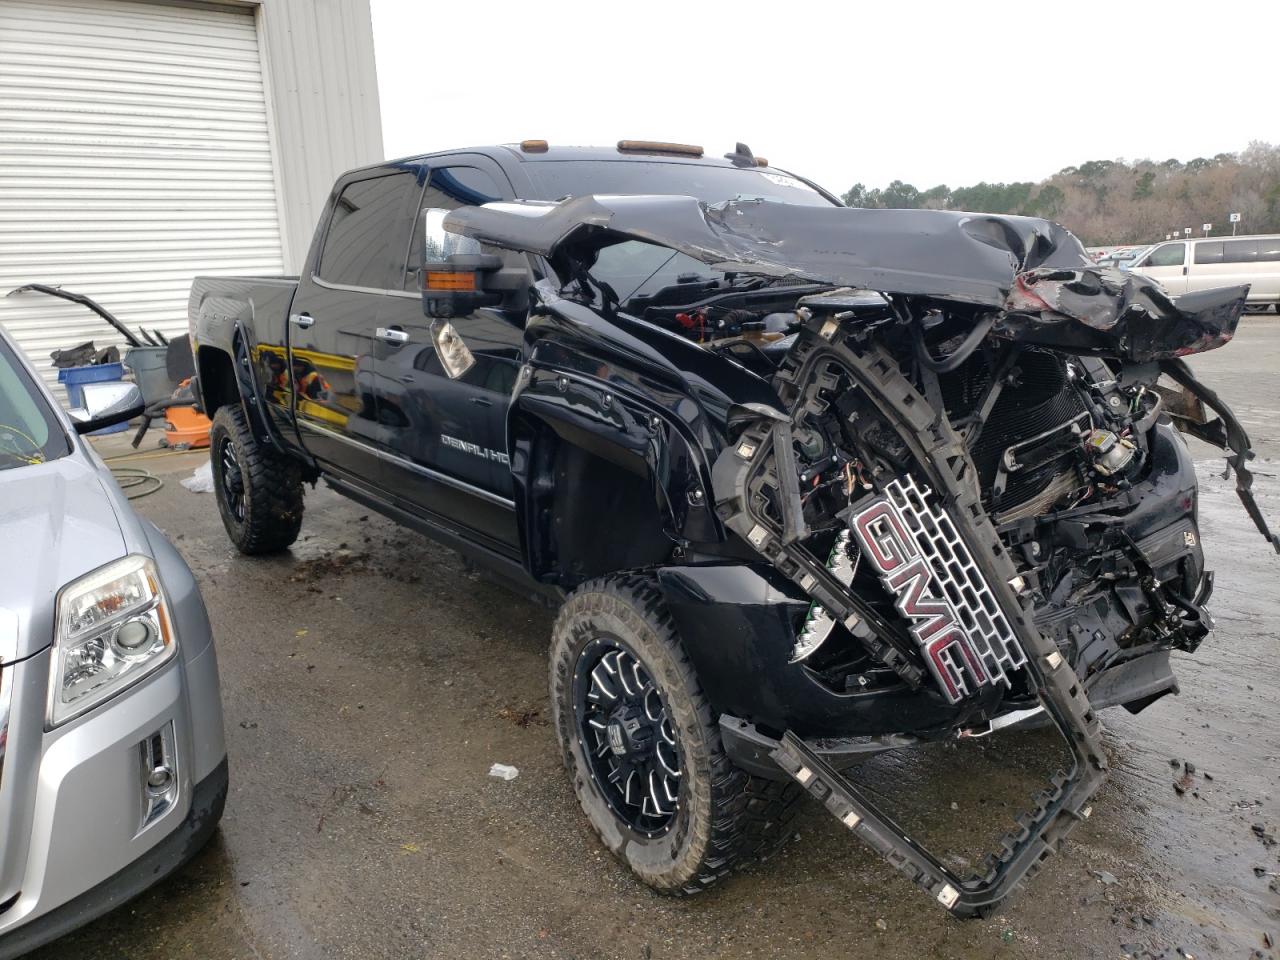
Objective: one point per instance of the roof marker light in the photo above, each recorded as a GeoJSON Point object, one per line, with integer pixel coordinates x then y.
{"type": "Point", "coordinates": [656, 146]}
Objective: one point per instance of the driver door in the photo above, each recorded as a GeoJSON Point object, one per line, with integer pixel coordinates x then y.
{"type": "Point", "coordinates": [445, 445]}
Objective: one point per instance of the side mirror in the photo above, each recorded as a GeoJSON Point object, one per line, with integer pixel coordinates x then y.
{"type": "Point", "coordinates": [105, 405]}
{"type": "Point", "coordinates": [454, 271]}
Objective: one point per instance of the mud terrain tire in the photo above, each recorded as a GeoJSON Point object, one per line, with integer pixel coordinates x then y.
{"type": "Point", "coordinates": [259, 490]}
{"type": "Point", "coordinates": [725, 817]}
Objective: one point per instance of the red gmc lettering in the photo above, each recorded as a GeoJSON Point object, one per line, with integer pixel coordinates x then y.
{"type": "Point", "coordinates": [881, 533]}
{"type": "Point", "coordinates": [909, 584]}
{"type": "Point", "coordinates": [892, 549]}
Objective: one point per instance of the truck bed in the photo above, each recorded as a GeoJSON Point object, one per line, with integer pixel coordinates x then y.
{"type": "Point", "coordinates": [260, 305]}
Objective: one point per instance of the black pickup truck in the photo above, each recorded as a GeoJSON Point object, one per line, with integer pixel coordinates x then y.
{"type": "Point", "coordinates": [807, 482]}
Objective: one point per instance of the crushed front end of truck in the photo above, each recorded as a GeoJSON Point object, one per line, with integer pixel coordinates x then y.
{"type": "Point", "coordinates": [965, 506]}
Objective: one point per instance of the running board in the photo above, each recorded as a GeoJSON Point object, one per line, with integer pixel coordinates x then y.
{"type": "Point", "coordinates": [1039, 835]}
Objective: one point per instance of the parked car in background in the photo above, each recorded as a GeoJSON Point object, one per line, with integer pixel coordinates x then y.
{"type": "Point", "coordinates": [113, 766]}
{"type": "Point", "coordinates": [1122, 258]}
{"type": "Point", "coordinates": [1185, 266]}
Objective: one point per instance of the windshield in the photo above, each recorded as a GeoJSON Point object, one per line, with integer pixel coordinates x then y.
{"type": "Point", "coordinates": [557, 179]}
{"type": "Point", "coordinates": [636, 268]}
{"type": "Point", "coordinates": [29, 431]}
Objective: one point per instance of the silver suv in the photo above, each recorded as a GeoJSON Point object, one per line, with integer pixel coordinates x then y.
{"type": "Point", "coordinates": [113, 765]}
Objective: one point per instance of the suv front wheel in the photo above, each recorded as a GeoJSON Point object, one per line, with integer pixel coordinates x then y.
{"type": "Point", "coordinates": [643, 746]}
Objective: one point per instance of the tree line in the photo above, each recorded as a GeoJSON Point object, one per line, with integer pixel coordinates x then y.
{"type": "Point", "coordinates": [1115, 202]}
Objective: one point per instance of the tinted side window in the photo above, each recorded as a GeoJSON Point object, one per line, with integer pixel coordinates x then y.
{"type": "Point", "coordinates": [1169, 255]}
{"type": "Point", "coordinates": [448, 188]}
{"type": "Point", "coordinates": [358, 249]}
{"type": "Point", "coordinates": [1269, 248]}
{"type": "Point", "coordinates": [1208, 252]}
{"type": "Point", "coordinates": [1239, 251]}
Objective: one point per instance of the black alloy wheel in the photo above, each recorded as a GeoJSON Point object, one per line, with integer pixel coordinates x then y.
{"type": "Point", "coordinates": [626, 732]}
{"type": "Point", "coordinates": [232, 479]}
{"type": "Point", "coordinates": [642, 743]}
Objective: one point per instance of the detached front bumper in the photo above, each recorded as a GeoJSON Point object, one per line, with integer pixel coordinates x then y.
{"type": "Point", "coordinates": [1141, 680]}
{"type": "Point", "coordinates": [738, 625]}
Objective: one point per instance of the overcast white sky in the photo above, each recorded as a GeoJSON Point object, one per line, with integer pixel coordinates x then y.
{"type": "Point", "coordinates": [841, 92]}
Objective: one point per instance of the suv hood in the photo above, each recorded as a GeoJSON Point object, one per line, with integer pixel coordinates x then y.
{"type": "Point", "coordinates": [57, 523]}
{"type": "Point", "coordinates": [1033, 271]}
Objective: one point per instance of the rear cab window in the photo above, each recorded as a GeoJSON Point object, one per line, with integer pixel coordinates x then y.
{"type": "Point", "coordinates": [29, 430]}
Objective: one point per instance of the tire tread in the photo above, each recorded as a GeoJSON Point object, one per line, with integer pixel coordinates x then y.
{"type": "Point", "coordinates": [273, 488]}
{"type": "Point", "coordinates": [751, 816]}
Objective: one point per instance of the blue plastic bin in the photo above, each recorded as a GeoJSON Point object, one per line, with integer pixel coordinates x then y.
{"type": "Point", "coordinates": [73, 378]}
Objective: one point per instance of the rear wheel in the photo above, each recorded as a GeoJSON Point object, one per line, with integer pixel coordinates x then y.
{"type": "Point", "coordinates": [259, 490]}
{"type": "Point", "coordinates": [643, 746]}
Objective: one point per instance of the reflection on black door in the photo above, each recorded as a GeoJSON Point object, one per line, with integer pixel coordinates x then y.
{"type": "Point", "coordinates": [333, 324]}
{"type": "Point", "coordinates": [445, 440]}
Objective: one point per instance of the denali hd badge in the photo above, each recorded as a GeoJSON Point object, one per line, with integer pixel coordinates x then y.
{"type": "Point", "coordinates": [964, 636]}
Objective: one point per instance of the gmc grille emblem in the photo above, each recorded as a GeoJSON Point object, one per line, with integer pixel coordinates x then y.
{"type": "Point", "coordinates": [962, 656]}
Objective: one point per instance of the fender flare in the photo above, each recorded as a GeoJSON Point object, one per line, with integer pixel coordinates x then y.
{"type": "Point", "coordinates": [238, 347]}
{"type": "Point", "coordinates": [552, 407]}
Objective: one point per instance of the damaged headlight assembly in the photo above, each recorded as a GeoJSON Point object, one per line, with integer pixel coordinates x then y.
{"type": "Point", "coordinates": [113, 628]}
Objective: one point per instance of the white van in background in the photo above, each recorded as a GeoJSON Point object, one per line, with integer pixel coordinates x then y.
{"type": "Point", "coordinates": [1184, 266]}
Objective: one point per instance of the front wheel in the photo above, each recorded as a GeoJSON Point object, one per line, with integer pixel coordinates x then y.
{"type": "Point", "coordinates": [259, 490]}
{"type": "Point", "coordinates": [643, 746]}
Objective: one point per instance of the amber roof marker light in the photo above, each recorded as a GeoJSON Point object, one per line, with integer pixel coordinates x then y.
{"type": "Point", "coordinates": [657, 146]}
{"type": "Point", "coordinates": [534, 146]}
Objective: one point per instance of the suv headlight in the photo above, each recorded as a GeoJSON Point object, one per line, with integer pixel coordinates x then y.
{"type": "Point", "coordinates": [113, 629]}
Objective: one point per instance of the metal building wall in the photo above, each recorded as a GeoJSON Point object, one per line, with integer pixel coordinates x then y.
{"type": "Point", "coordinates": [143, 142]}
{"type": "Point", "coordinates": [323, 96]}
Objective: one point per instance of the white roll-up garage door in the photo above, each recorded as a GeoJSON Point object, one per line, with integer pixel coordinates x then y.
{"type": "Point", "coordinates": [134, 154]}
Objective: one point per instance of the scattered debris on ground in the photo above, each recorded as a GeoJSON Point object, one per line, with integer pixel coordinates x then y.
{"type": "Point", "coordinates": [201, 481]}
{"type": "Point", "coordinates": [523, 717]}
{"type": "Point", "coordinates": [340, 562]}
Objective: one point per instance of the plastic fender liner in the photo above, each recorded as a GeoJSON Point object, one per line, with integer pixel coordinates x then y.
{"type": "Point", "coordinates": [745, 476]}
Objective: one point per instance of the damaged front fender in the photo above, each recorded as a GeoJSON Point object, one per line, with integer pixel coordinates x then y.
{"type": "Point", "coordinates": [1103, 312]}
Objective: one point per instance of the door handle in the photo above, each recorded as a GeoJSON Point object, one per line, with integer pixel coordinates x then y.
{"type": "Point", "coordinates": [302, 320]}
{"type": "Point", "coordinates": [481, 401]}
{"type": "Point", "coordinates": [391, 335]}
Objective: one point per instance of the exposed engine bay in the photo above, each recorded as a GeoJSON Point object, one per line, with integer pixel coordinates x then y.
{"type": "Point", "coordinates": [972, 470]}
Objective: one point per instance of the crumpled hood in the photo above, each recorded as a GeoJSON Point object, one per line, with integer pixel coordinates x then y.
{"type": "Point", "coordinates": [56, 524]}
{"type": "Point", "coordinates": [984, 260]}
